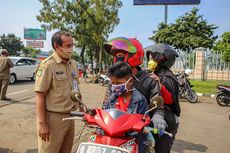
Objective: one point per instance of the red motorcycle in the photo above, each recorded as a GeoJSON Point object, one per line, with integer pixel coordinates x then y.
{"type": "Point", "coordinates": [114, 125]}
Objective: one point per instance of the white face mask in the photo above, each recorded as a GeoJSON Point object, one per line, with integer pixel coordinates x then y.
{"type": "Point", "coordinates": [119, 89]}
{"type": "Point", "coordinates": [66, 53]}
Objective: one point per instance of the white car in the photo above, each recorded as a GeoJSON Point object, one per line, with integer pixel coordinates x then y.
{"type": "Point", "coordinates": [24, 68]}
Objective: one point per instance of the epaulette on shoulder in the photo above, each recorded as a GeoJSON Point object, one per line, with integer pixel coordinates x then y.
{"type": "Point", "coordinates": [47, 59]}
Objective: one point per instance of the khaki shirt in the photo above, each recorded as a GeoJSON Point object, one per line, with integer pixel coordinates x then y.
{"type": "Point", "coordinates": [56, 80]}
{"type": "Point", "coordinates": [5, 65]}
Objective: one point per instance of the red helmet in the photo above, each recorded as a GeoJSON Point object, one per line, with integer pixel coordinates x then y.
{"type": "Point", "coordinates": [131, 47]}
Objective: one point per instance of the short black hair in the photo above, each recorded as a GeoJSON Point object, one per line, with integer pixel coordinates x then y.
{"type": "Point", "coordinates": [56, 38]}
{"type": "Point", "coordinates": [119, 69]}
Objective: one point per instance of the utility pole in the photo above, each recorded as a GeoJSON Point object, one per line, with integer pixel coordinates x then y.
{"type": "Point", "coordinates": [166, 14]}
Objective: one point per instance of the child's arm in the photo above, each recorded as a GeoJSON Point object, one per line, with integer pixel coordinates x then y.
{"type": "Point", "coordinates": [142, 106]}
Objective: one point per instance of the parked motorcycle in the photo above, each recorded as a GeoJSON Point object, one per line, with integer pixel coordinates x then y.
{"type": "Point", "coordinates": [223, 96]}
{"type": "Point", "coordinates": [185, 88]}
{"type": "Point", "coordinates": [116, 130]}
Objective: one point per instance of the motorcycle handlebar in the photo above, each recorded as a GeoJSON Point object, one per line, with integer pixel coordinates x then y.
{"type": "Point", "coordinates": [148, 129]}
{"type": "Point", "coordinates": [79, 114]}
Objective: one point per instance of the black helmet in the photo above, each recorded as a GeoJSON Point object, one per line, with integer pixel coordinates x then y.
{"type": "Point", "coordinates": [163, 54]}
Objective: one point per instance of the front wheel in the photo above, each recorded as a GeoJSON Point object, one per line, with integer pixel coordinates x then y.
{"type": "Point", "coordinates": [13, 78]}
{"type": "Point", "coordinates": [191, 96]}
{"type": "Point", "coordinates": [220, 99]}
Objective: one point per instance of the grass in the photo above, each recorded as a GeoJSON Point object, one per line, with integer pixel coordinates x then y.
{"type": "Point", "coordinates": [206, 87]}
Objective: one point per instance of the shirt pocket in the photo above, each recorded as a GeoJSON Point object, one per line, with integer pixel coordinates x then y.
{"type": "Point", "coordinates": [61, 81]}
{"type": "Point", "coordinates": [61, 77]}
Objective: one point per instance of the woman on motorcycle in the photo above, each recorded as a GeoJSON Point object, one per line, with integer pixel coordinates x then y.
{"type": "Point", "coordinates": [161, 57]}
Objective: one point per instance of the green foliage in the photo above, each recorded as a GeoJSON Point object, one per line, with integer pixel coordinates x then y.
{"type": "Point", "coordinates": [11, 43]}
{"type": "Point", "coordinates": [30, 52]}
{"type": "Point", "coordinates": [223, 46]}
{"type": "Point", "coordinates": [90, 22]}
{"type": "Point", "coordinates": [76, 56]}
{"type": "Point", "coordinates": [189, 32]}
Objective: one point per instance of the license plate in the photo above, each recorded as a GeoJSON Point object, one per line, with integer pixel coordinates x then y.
{"type": "Point", "coordinates": [86, 147]}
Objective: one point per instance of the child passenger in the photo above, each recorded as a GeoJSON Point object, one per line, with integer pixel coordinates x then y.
{"type": "Point", "coordinates": [124, 96]}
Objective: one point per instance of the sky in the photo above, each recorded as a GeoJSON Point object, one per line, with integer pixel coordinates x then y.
{"type": "Point", "coordinates": [135, 21]}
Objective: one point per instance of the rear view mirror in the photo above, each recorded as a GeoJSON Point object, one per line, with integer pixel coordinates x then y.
{"type": "Point", "coordinates": [156, 101]}
{"type": "Point", "coordinates": [75, 96]}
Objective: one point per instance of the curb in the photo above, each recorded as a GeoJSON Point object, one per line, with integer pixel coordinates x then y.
{"type": "Point", "coordinates": [206, 95]}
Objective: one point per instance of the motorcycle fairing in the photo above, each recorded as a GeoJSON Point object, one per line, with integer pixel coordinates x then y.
{"type": "Point", "coordinates": [116, 122]}
{"type": "Point", "coordinates": [223, 87]}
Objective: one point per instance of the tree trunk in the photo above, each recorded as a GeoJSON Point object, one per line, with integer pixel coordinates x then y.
{"type": "Point", "coordinates": [82, 55]}
{"type": "Point", "coordinates": [91, 58]}
{"type": "Point", "coordinates": [100, 59]}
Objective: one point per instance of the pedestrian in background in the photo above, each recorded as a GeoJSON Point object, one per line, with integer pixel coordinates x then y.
{"type": "Point", "coordinates": [56, 78]}
{"type": "Point", "coordinates": [5, 65]}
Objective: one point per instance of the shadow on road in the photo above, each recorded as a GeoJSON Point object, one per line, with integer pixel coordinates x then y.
{"type": "Point", "coordinates": [180, 146]}
{"type": "Point", "coordinates": [31, 151]}
{"type": "Point", "coordinates": [6, 150]}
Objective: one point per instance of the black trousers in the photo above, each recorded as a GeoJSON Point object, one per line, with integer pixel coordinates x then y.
{"type": "Point", "coordinates": [164, 143]}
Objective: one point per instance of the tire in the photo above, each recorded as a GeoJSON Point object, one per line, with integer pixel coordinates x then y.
{"type": "Point", "coordinates": [13, 78]}
{"type": "Point", "coordinates": [219, 99]}
{"type": "Point", "coordinates": [33, 77]}
{"type": "Point", "coordinates": [106, 84]}
{"type": "Point", "coordinates": [191, 96]}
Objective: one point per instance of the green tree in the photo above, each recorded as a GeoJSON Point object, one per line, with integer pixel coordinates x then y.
{"type": "Point", "coordinates": [223, 46]}
{"type": "Point", "coordinates": [90, 22]}
{"type": "Point", "coordinates": [76, 56]}
{"type": "Point", "coordinates": [11, 43]}
{"type": "Point", "coordinates": [189, 32]}
{"type": "Point", "coordinates": [30, 52]}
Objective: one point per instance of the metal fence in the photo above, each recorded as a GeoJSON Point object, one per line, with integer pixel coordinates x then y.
{"type": "Point", "coordinates": [207, 66]}
{"type": "Point", "coordinates": [185, 61]}
{"type": "Point", "coordinates": [214, 61]}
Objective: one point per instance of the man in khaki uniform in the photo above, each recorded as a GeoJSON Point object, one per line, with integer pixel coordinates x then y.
{"type": "Point", "coordinates": [56, 77]}
{"type": "Point", "coordinates": [5, 65]}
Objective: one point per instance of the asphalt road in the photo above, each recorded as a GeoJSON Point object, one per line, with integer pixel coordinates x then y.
{"type": "Point", "coordinates": [204, 126]}
{"type": "Point", "coordinates": [19, 91]}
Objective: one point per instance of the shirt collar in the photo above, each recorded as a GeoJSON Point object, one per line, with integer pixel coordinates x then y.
{"type": "Point", "coordinates": [56, 57]}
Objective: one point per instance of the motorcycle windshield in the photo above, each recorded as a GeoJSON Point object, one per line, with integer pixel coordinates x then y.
{"type": "Point", "coordinates": [115, 113]}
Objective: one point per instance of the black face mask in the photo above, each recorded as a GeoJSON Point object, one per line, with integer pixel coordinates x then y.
{"type": "Point", "coordinates": [120, 59]}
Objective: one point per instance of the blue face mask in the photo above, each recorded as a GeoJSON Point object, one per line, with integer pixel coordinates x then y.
{"type": "Point", "coordinates": [119, 89]}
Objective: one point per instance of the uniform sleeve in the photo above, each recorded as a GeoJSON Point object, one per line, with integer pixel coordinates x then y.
{"type": "Point", "coordinates": [10, 63]}
{"type": "Point", "coordinates": [43, 78]}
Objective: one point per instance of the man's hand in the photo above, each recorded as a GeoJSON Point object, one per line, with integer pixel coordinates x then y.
{"type": "Point", "coordinates": [43, 131]}
{"type": "Point", "coordinates": [82, 108]}
{"type": "Point", "coordinates": [156, 78]}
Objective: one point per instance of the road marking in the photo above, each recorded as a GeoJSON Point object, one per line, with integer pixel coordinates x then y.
{"type": "Point", "coordinates": [13, 93]}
